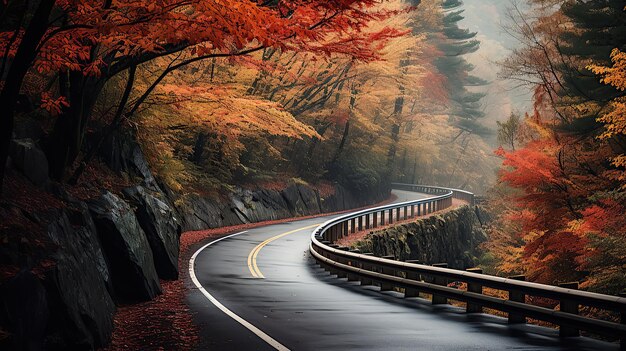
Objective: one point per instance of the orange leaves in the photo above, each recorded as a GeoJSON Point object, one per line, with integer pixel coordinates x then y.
{"type": "Point", "coordinates": [92, 37]}
{"type": "Point", "coordinates": [53, 105]}
{"type": "Point", "coordinates": [616, 75]}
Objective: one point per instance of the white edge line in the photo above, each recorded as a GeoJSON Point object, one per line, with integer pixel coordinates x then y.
{"type": "Point", "coordinates": [258, 332]}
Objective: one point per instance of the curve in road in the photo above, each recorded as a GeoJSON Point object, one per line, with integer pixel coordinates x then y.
{"type": "Point", "coordinates": [299, 306]}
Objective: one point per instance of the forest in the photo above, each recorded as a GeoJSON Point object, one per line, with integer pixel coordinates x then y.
{"type": "Point", "coordinates": [206, 102]}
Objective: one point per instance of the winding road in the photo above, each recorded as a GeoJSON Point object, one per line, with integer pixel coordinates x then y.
{"type": "Point", "coordinates": [261, 290]}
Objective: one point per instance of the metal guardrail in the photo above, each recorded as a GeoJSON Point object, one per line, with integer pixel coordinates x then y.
{"type": "Point", "coordinates": [414, 277]}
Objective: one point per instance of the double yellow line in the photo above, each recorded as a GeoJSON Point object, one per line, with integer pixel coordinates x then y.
{"type": "Point", "coordinates": [252, 266]}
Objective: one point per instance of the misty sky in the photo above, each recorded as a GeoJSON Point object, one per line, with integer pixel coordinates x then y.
{"type": "Point", "coordinates": [486, 17]}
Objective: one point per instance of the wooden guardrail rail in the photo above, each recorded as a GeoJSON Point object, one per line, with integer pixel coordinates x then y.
{"type": "Point", "coordinates": [415, 278]}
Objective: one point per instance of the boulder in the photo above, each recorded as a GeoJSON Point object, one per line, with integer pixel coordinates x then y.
{"type": "Point", "coordinates": [84, 227]}
{"type": "Point", "coordinates": [273, 201]}
{"type": "Point", "coordinates": [161, 227]}
{"type": "Point", "coordinates": [80, 305]}
{"type": "Point", "coordinates": [24, 312]}
{"type": "Point", "coordinates": [123, 154]}
{"type": "Point", "coordinates": [310, 199]}
{"type": "Point", "coordinates": [199, 213]}
{"type": "Point", "coordinates": [340, 200]}
{"type": "Point", "coordinates": [257, 206]}
{"type": "Point", "coordinates": [126, 248]}
{"type": "Point", "coordinates": [295, 204]}
{"type": "Point", "coordinates": [28, 158]}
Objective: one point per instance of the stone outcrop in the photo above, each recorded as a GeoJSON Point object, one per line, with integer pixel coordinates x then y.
{"type": "Point", "coordinates": [24, 312]}
{"type": "Point", "coordinates": [28, 158]}
{"type": "Point", "coordinates": [80, 306]}
{"type": "Point", "coordinates": [122, 153]}
{"type": "Point", "coordinates": [67, 304]}
{"type": "Point", "coordinates": [129, 254]}
{"type": "Point", "coordinates": [160, 224]}
{"type": "Point", "coordinates": [247, 206]}
{"type": "Point", "coordinates": [453, 237]}
{"type": "Point", "coordinates": [113, 250]}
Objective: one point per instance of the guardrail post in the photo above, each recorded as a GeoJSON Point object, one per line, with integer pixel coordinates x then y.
{"type": "Point", "coordinates": [367, 221]}
{"type": "Point", "coordinates": [437, 299]}
{"type": "Point", "coordinates": [346, 232]}
{"type": "Point", "coordinates": [340, 273]}
{"type": "Point", "coordinates": [398, 218]}
{"type": "Point", "coordinates": [569, 306]}
{"type": "Point", "coordinates": [517, 296]}
{"type": "Point", "coordinates": [387, 271]}
{"type": "Point", "coordinates": [430, 207]}
{"type": "Point", "coordinates": [390, 219]}
{"type": "Point", "coordinates": [353, 225]}
{"type": "Point", "coordinates": [419, 210]}
{"type": "Point", "coordinates": [382, 217]}
{"type": "Point", "coordinates": [410, 292]}
{"type": "Point", "coordinates": [331, 269]}
{"type": "Point", "coordinates": [412, 211]}
{"type": "Point", "coordinates": [406, 210]}
{"type": "Point", "coordinates": [351, 276]}
{"type": "Point", "coordinates": [368, 267]}
{"type": "Point", "coordinates": [475, 288]}
{"type": "Point", "coordinates": [360, 220]}
{"type": "Point", "coordinates": [375, 215]}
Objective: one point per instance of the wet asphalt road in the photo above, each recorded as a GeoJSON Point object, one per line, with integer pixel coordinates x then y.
{"type": "Point", "coordinates": [304, 308]}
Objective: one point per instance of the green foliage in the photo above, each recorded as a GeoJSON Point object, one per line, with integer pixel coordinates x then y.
{"type": "Point", "coordinates": [508, 131]}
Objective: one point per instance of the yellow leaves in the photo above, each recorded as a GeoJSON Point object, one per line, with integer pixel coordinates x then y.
{"type": "Point", "coordinates": [616, 75]}
{"type": "Point", "coordinates": [615, 120]}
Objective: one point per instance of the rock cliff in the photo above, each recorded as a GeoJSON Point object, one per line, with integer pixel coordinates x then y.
{"type": "Point", "coordinates": [114, 249]}
{"type": "Point", "coordinates": [453, 237]}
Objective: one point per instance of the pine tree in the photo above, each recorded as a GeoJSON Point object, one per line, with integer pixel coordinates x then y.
{"type": "Point", "coordinates": [455, 44]}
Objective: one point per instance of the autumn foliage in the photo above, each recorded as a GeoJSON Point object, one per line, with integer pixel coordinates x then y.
{"type": "Point", "coordinates": [70, 51]}
{"type": "Point", "coordinates": [562, 199]}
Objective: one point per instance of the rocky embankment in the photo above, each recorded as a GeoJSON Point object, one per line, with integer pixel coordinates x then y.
{"type": "Point", "coordinates": [116, 248]}
{"type": "Point", "coordinates": [453, 237]}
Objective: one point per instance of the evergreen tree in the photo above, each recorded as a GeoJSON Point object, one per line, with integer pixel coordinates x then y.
{"type": "Point", "coordinates": [455, 44]}
{"type": "Point", "coordinates": [597, 27]}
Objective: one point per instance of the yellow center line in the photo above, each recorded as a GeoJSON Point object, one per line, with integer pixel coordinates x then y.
{"type": "Point", "coordinates": [252, 266]}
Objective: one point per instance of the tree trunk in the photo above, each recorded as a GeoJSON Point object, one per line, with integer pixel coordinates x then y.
{"type": "Point", "coordinates": [414, 177]}
{"type": "Point", "coordinates": [198, 149]}
{"type": "Point", "coordinates": [321, 130]}
{"type": "Point", "coordinates": [391, 155]}
{"type": "Point", "coordinates": [112, 127]}
{"type": "Point", "coordinates": [344, 138]}
{"type": "Point", "coordinates": [22, 61]}
{"type": "Point", "coordinates": [66, 140]}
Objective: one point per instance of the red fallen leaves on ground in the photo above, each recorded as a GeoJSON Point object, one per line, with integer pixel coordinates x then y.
{"type": "Point", "coordinates": [97, 176]}
{"type": "Point", "coordinates": [166, 323]}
